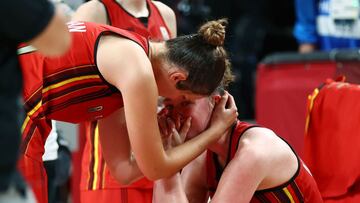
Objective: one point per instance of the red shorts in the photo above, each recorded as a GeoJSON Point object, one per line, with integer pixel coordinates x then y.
{"type": "Point", "coordinates": [121, 195]}
{"type": "Point", "coordinates": [35, 175]}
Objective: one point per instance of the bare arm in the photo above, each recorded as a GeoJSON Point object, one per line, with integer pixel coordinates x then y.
{"type": "Point", "coordinates": [139, 91]}
{"type": "Point", "coordinates": [169, 190]}
{"type": "Point", "coordinates": [169, 17]}
{"type": "Point", "coordinates": [55, 39]}
{"type": "Point", "coordinates": [262, 161]}
{"type": "Point", "coordinates": [193, 177]}
{"type": "Point", "coordinates": [244, 172]}
{"type": "Point", "coordinates": [116, 148]}
{"type": "Point", "coordinates": [190, 186]}
{"type": "Point", "coordinates": [91, 11]}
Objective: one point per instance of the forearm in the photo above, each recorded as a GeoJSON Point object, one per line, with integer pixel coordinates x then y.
{"type": "Point", "coordinates": [305, 26]}
{"type": "Point", "coordinates": [174, 159]}
{"type": "Point", "coordinates": [55, 39]}
{"type": "Point", "coordinates": [169, 190]}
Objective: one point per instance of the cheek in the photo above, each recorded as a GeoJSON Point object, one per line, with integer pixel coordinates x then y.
{"type": "Point", "coordinates": [198, 125]}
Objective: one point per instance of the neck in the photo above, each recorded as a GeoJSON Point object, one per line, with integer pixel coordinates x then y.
{"type": "Point", "coordinates": [137, 8]}
{"type": "Point", "coordinates": [221, 147]}
{"type": "Point", "coordinates": [155, 51]}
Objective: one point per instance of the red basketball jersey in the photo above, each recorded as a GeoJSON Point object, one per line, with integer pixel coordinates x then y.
{"type": "Point", "coordinates": [70, 88]}
{"type": "Point", "coordinates": [153, 27]}
{"type": "Point", "coordinates": [300, 188]}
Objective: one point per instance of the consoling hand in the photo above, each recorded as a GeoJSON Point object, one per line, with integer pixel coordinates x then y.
{"type": "Point", "coordinates": [225, 112]}
{"type": "Point", "coordinates": [173, 132]}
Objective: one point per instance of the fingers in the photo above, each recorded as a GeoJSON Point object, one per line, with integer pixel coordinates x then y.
{"type": "Point", "coordinates": [178, 122]}
{"type": "Point", "coordinates": [163, 125]}
{"type": "Point", "coordinates": [170, 124]}
{"type": "Point", "coordinates": [176, 137]}
{"type": "Point", "coordinates": [230, 102]}
{"type": "Point", "coordinates": [231, 105]}
{"type": "Point", "coordinates": [185, 129]}
{"type": "Point", "coordinates": [223, 100]}
{"type": "Point", "coordinates": [179, 137]}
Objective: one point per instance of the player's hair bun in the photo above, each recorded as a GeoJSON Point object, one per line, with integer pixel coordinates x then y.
{"type": "Point", "coordinates": [213, 32]}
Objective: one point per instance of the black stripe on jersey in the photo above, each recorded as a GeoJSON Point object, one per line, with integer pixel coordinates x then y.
{"type": "Point", "coordinates": [77, 100]}
{"type": "Point", "coordinates": [55, 95]}
{"type": "Point", "coordinates": [297, 191]}
{"type": "Point", "coordinates": [262, 198]}
{"type": "Point", "coordinates": [69, 73]}
{"type": "Point", "coordinates": [28, 135]}
{"type": "Point", "coordinates": [280, 194]}
{"type": "Point", "coordinates": [33, 100]}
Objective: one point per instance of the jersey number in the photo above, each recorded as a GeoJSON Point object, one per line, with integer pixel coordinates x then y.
{"type": "Point", "coordinates": [76, 27]}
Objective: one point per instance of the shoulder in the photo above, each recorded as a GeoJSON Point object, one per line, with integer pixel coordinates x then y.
{"type": "Point", "coordinates": [93, 5]}
{"type": "Point", "coordinates": [163, 8]}
{"type": "Point", "coordinates": [93, 11]}
{"type": "Point", "coordinates": [114, 57]}
{"type": "Point", "coordinates": [264, 148]}
{"type": "Point", "coordinates": [258, 143]}
{"type": "Point", "coordinates": [168, 14]}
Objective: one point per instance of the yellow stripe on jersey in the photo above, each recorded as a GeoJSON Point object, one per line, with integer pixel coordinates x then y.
{"type": "Point", "coordinates": [311, 99]}
{"type": "Point", "coordinates": [34, 109]}
{"type": "Point", "coordinates": [96, 157]}
{"type": "Point", "coordinates": [288, 194]}
{"type": "Point", "coordinates": [59, 84]}
{"type": "Point", "coordinates": [25, 123]}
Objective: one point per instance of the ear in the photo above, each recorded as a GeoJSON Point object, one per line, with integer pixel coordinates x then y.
{"type": "Point", "coordinates": [177, 76]}
{"type": "Point", "coordinates": [216, 98]}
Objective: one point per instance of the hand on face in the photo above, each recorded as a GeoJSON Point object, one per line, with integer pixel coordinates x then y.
{"type": "Point", "coordinates": [224, 114]}
{"type": "Point", "coordinates": [173, 132]}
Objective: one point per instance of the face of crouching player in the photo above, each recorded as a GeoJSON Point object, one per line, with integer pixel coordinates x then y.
{"type": "Point", "coordinates": [199, 110]}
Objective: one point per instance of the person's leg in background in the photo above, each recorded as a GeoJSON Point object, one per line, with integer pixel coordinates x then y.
{"type": "Point", "coordinates": [62, 171]}
{"type": "Point", "coordinates": [49, 158]}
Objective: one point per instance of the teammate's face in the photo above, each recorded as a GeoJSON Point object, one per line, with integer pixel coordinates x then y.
{"type": "Point", "coordinates": [199, 110]}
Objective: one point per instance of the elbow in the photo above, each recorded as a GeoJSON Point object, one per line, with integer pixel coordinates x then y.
{"type": "Point", "coordinates": [127, 176]}
{"type": "Point", "coordinates": [65, 44]}
{"type": "Point", "coordinates": [59, 49]}
{"type": "Point", "coordinates": [123, 180]}
{"type": "Point", "coordinates": [153, 177]}
{"type": "Point", "coordinates": [55, 40]}
{"type": "Point", "coordinates": [158, 170]}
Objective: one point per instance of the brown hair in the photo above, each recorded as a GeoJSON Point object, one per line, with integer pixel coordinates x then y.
{"type": "Point", "coordinates": [203, 56]}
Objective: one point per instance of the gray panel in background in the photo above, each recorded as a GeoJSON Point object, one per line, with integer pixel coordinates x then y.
{"type": "Point", "coordinates": [70, 132]}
